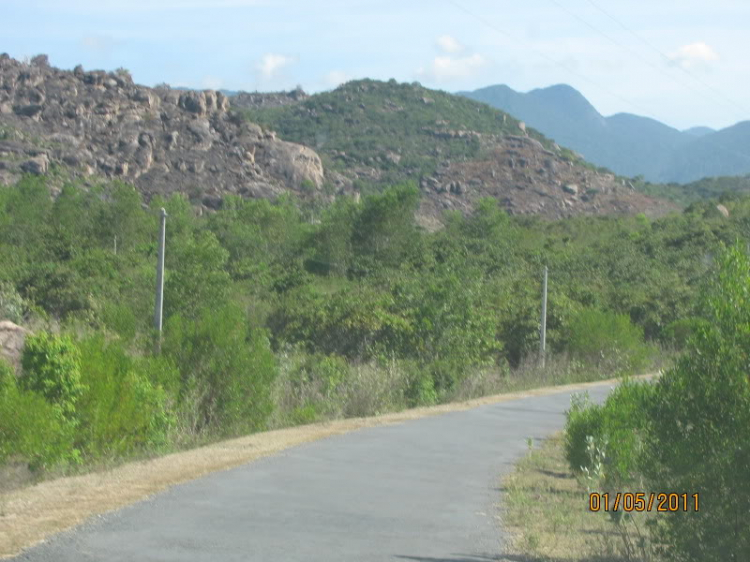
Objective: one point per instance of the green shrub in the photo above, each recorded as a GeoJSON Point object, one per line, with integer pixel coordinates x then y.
{"type": "Point", "coordinates": [625, 426]}
{"type": "Point", "coordinates": [227, 369]}
{"type": "Point", "coordinates": [620, 423]}
{"type": "Point", "coordinates": [310, 386]}
{"type": "Point", "coordinates": [303, 415]}
{"type": "Point", "coordinates": [607, 340]}
{"type": "Point", "coordinates": [421, 390]}
{"type": "Point", "coordinates": [679, 332]}
{"type": "Point", "coordinates": [32, 429]}
{"type": "Point", "coordinates": [52, 367]}
{"type": "Point", "coordinates": [7, 375]}
{"type": "Point", "coordinates": [701, 426]}
{"type": "Point", "coordinates": [121, 411]}
{"type": "Point", "coordinates": [584, 419]}
{"type": "Point", "coordinates": [12, 305]}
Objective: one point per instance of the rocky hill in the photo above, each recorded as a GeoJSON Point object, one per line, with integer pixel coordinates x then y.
{"type": "Point", "coordinates": [369, 134]}
{"type": "Point", "coordinates": [162, 140]}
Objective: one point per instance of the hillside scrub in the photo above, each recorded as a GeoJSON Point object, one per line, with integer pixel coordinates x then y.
{"type": "Point", "coordinates": [272, 318]}
{"type": "Point", "coordinates": [686, 433]}
{"type": "Point", "coordinates": [324, 121]}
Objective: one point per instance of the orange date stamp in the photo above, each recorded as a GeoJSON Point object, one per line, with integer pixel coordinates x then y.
{"type": "Point", "coordinates": [639, 502]}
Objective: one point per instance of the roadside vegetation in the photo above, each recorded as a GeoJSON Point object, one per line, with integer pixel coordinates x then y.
{"type": "Point", "coordinates": [546, 515]}
{"type": "Point", "coordinates": [273, 319]}
{"type": "Point", "coordinates": [687, 432]}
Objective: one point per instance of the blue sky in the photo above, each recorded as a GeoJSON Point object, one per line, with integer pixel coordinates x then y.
{"type": "Point", "coordinates": [684, 62]}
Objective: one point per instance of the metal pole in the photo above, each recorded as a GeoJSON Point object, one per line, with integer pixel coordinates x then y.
{"type": "Point", "coordinates": [159, 308]}
{"type": "Point", "coordinates": [543, 339]}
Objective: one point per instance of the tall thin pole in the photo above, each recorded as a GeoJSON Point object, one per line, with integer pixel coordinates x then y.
{"type": "Point", "coordinates": [543, 339]}
{"type": "Point", "coordinates": [159, 308]}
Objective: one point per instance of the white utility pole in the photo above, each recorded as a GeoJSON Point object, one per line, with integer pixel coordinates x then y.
{"type": "Point", "coordinates": [159, 308]}
{"type": "Point", "coordinates": [543, 338]}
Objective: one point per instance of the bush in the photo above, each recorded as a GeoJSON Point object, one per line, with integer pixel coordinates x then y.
{"type": "Point", "coordinates": [421, 386]}
{"type": "Point", "coordinates": [701, 426]}
{"type": "Point", "coordinates": [12, 306]}
{"type": "Point", "coordinates": [679, 332]}
{"type": "Point", "coordinates": [608, 340]}
{"type": "Point", "coordinates": [624, 426]}
{"type": "Point", "coordinates": [52, 367]}
{"type": "Point", "coordinates": [226, 370]}
{"type": "Point", "coordinates": [584, 419]}
{"type": "Point", "coordinates": [31, 429]}
{"type": "Point", "coordinates": [619, 427]}
{"type": "Point", "coordinates": [309, 386]}
{"type": "Point", "coordinates": [121, 411]}
{"type": "Point", "coordinates": [7, 375]}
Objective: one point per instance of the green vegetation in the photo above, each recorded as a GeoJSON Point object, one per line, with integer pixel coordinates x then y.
{"type": "Point", "coordinates": [273, 320]}
{"type": "Point", "coordinates": [722, 188]}
{"type": "Point", "coordinates": [546, 513]}
{"type": "Point", "coordinates": [687, 433]}
{"type": "Point", "coordinates": [399, 129]}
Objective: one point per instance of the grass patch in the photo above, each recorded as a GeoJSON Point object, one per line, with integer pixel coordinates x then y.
{"type": "Point", "coordinates": [547, 517]}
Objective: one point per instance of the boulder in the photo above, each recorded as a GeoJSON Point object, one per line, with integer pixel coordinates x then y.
{"type": "Point", "coordinates": [291, 162]}
{"type": "Point", "coordinates": [570, 188]}
{"type": "Point", "coordinates": [31, 110]}
{"type": "Point", "coordinates": [194, 102]}
{"type": "Point", "coordinates": [723, 210]}
{"type": "Point", "coordinates": [37, 165]}
{"type": "Point", "coordinates": [12, 338]}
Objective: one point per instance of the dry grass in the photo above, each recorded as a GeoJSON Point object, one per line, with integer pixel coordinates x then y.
{"type": "Point", "coordinates": [29, 515]}
{"type": "Point", "coordinates": [546, 513]}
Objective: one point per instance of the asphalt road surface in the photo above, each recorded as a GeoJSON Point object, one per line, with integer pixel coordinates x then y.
{"type": "Point", "coordinates": [423, 490]}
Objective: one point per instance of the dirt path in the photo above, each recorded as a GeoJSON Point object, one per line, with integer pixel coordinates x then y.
{"type": "Point", "coordinates": [30, 515]}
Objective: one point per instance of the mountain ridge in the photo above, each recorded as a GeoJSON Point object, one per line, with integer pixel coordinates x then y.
{"type": "Point", "coordinates": [366, 135]}
{"type": "Point", "coordinates": [629, 144]}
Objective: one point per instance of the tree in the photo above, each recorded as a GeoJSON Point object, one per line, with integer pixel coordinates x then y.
{"type": "Point", "coordinates": [701, 425]}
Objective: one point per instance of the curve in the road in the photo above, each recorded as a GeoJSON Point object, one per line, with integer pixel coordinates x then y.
{"type": "Point", "coordinates": [424, 490]}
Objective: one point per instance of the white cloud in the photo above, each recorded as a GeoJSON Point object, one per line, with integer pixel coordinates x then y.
{"type": "Point", "coordinates": [694, 55]}
{"type": "Point", "coordinates": [453, 64]}
{"type": "Point", "coordinates": [449, 44]}
{"type": "Point", "coordinates": [336, 78]}
{"type": "Point", "coordinates": [272, 63]}
{"type": "Point", "coordinates": [446, 68]}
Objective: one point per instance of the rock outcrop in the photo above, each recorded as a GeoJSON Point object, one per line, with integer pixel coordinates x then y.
{"type": "Point", "coordinates": [257, 100]}
{"type": "Point", "coordinates": [12, 338]}
{"type": "Point", "coordinates": [528, 179]}
{"type": "Point", "coordinates": [160, 139]}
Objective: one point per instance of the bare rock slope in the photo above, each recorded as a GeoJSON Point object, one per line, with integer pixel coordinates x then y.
{"type": "Point", "coordinates": [161, 140]}
{"type": "Point", "coordinates": [527, 179]}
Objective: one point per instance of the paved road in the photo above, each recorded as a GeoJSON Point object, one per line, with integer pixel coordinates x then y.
{"type": "Point", "coordinates": [424, 490]}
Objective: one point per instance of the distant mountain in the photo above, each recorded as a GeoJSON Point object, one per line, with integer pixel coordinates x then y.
{"type": "Point", "coordinates": [723, 153]}
{"type": "Point", "coordinates": [699, 131]}
{"type": "Point", "coordinates": [627, 144]}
